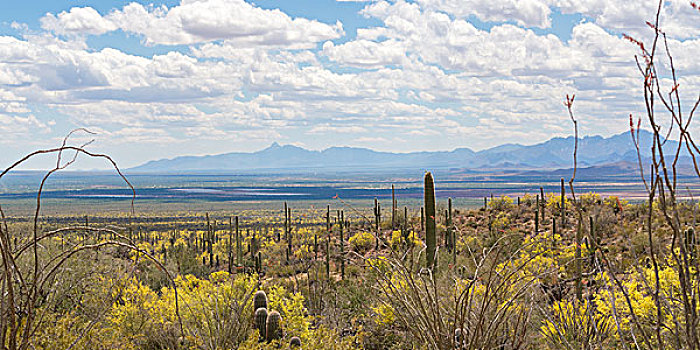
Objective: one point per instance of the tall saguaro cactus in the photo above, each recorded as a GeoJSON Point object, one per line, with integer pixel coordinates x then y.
{"type": "Point", "coordinates": [328, 242]}
{"type": "Point", "coordinates": [239, 247]}
{"type": "Point", "coordinates": [393, 208]}
{"type": "Point", "coordinates": [429, 199]}
{"type": "Point", "coordinates": [451, 231]}
{"type": "Point", "coordinates": [537, 215]}
{"type": "Point", "coordinates": [377, 219]}
{"type": "Point", "coordinates": [341, 220]}
{"type": "Point", "coordinates": [448, 224]}
{"type": "Point", "coordinates": [229, 246]}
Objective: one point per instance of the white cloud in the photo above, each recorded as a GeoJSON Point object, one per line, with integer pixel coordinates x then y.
{"type": "Point", "coordinates": [678, 19]}
{"type": "Point", "coordinates": [365, 53]}
{"type": "Point", "coordinates": [343, 129]}
{"type": "Point", "coordinates": [529, 13]}
{"type": "Point", "coordinates": [78, 21]}
{"type": "Point", "coordinates": [620, 16]}
{"type": "Point", "coordinates": [197, 21]}
{"type": "Point", "coordinates": [16, 128]}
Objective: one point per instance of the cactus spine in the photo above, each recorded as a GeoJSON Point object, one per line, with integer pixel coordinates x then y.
{"type": "Point", "coordinates": [429, 199]}
{"type": "Point", "coordinates": [273, 331]}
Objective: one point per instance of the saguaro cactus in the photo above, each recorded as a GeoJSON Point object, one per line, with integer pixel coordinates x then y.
{"type": "Point", "coordinates": [393, 208]}
{"type": "Point", "coordinates": [377, 219]}
{"type": "Point", "coordinates": [543, 203]}
{"type": "Point", "coordinates": [229, 246]}
{"type": "Point", "coordinates": [258, 263]}
{"type": "Point", "coordinates": [690, 244]}
{"type": "Point", "coordinates": [537, 215]}
{"type": "Point", "coordinates": [328, 242]}
{"type": "Point", "coordinates": [451, 231]}
{"type": "Point", "coordinates": [341, 219]}
{"type": "Point", "coordinates": [448, 224]}
{"type": "Point", "coordinates": [286, 231]}
{"type": "Point", "coordinates": [239, 248]}
{"type": "Point", "coordinates": [429, 199]}
{"type": "Point", "coordinates": [593, 241]}
{"type": "Point", "coordinates": [404, 226]}
{"type": "Point", "coordinates": [291, 237]}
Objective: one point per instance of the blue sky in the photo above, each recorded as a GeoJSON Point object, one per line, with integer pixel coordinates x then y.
{"type": "Point", "coordinates": [159, 79]}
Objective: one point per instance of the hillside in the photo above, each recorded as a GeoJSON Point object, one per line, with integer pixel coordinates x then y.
{"type": "Point", "coordinates": [554, 153]}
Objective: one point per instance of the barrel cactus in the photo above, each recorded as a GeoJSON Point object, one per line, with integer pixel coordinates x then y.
{"type": "Point", "coordinates": [274, 331]}
{"type": "Point", "coordinates": [260, 300]}
{"type": "Point", "coordinates": [295, 342]}
{"type": "Point", "coordinates": [260, 321]}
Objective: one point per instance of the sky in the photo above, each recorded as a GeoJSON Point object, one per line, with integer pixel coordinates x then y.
{"type": "Point", "coordinates": [160, 79]}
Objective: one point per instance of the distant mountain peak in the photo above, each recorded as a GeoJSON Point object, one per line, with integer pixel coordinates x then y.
{"type": "Point", "coordinates": [552, 154]}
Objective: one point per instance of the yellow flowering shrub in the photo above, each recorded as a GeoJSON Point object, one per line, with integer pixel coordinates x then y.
{"type": "Point", "coordinates": [398, 240]}
{"type": "Point", "coordinates": [501, 203]}
{"type": "Point", "coordinates": [501, 221]}
{"type": "Point", "coordinates": [589, 199]}
{"type": "Point", "coordinates": [384, 314]}
{"type": "Point", "coordinates": [221, 302]}
{"type": "Point", "coordinates": [361, 241]}
{"type": "Point", "coordinates": [570, 324]}
{"type": "Point", "coordinates": [554, 201]}
{"type": "Point", "coordinates": [615, 202]}
{"type": "Point", "coordinates": [640, 288]}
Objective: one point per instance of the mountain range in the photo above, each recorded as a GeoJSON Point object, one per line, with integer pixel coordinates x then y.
{"type": "Point", "coordinates": [555, 153]}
